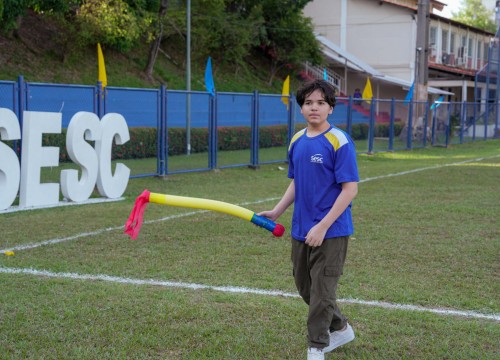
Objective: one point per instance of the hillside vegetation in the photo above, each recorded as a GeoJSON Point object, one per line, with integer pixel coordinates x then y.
{"type": "Point", "coordinates": [43, 48]}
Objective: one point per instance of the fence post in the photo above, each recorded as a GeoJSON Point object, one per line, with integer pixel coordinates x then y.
{"type": "Point", "coordinates": [426, 122]}
{"type": "Point", "coordinates": [434, 125]}
{"type": "Point", "coordinates": [474, 110]}
{"type": "Point", "coordinates": [496, 134]}
{"type": "Point", "coordinates": [371, 130]}
{"type": "Point", "coordinates": [391, 126]}
{"type": "Point", "coordinates": [21, 104]}
{"type": "Point", "coordinates": [212, 128]}
{"type": "Point", "coordinates": [486, 117]}
{"type": "Point", "coordinates": [100, 100]}
{"type": "Point", "coordinates": [448, 127]}
{"type": "Point", "coordinates": [162, 165]}
{"type": "Point", "coordinates": [349, 116]}
{"type": "Point", "coordinates": [254, 144]}
{"type": "Point", "coordinates": [409, 127]}
{"type": "Point", "coordinates": [462, 122]}
{"type": "Point", "coordinates": [291, 120]}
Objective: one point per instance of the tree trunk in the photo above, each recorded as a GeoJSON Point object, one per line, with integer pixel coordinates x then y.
{"type": "Point", "coordinates": [275, 67]}
{"type": "Point", "coordinates": [155, 45]}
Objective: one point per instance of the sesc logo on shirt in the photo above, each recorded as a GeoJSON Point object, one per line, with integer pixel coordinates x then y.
{"type": "Point", "coordinates": [317, 158]}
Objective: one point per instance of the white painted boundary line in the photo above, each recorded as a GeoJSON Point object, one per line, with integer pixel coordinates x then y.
{"type": "Point", "coordinates": [116, 228]}
{"type": "Point", "coordinates": [240, 290]}
{"type": "Point", "coordinates": [428, 168]}
{"type": "Point", "coordinates": [61, 203]}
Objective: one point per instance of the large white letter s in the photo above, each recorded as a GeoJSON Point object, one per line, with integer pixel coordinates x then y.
{"type": "Point", "coordinates": [10, 170]}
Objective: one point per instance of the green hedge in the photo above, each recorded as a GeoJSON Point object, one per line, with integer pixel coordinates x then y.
{"type": "Point", "coordinates": [143, 141]}
{"type": "Point", "coordinates": [360, 131]}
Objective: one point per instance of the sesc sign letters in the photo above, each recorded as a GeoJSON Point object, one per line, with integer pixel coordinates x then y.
{"type": "Point", "coordinates": [94, 162]}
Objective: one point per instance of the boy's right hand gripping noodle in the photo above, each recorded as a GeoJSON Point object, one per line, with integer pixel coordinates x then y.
{"type": "Point", "coordinates": [277, 229]}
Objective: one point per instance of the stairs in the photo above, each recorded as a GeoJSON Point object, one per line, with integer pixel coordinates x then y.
{"type": "Point", "coordinates": [360, 113]}
{"type": "Point", "coordinates": [319, 73]}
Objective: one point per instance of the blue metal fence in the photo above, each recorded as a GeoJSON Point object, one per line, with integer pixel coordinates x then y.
{"type": "Point", "coordinates": [390, 124]}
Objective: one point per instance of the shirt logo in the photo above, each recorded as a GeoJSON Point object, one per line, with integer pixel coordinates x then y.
{"type": "Point", "coordinates": [317, 158]}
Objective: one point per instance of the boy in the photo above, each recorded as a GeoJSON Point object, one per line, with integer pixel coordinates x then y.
{"type": "Point", "coordinates": [324, 176]}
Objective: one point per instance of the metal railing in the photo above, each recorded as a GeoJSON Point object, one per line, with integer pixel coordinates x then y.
{"type": "Point", "coordinates": [375, 124]}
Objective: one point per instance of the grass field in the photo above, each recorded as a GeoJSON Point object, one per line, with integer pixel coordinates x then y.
{"type": "Point", "coordinates": [421, 279]}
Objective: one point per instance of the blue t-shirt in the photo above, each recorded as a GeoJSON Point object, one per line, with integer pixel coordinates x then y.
{"type": "Point", "coordinates": [319, 165]}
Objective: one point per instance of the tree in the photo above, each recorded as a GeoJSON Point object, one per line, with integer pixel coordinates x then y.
{"type": "Point", "coordinates": [287, 36]}
{"type": "Point", "coordinates": [155, 44]}
{"type": "Point", "coordinates": [224, 32]}
{"type": "Point", "coordinates": [11, 13]}
{"type": "Point", "coordinates": [474, 13]}
{"type": "Point", "coordinates": [111, 22]}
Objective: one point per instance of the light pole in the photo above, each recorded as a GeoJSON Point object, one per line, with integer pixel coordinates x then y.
{"type": "Point", "coordinates": [188, 78]}
{"type": "Point", "coordinates": [421, 60]}
{"type": "Point", "coordinates": [422, 48]}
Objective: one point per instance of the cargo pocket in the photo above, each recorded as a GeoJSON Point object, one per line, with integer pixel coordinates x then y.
{"type": "Point", "coordinates": [329, 282]}
{"type": "Point", "coordinates": [333, 271]}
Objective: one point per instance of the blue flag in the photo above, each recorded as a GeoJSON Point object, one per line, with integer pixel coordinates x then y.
{"type": "Point", "coordinates": [325, 74]}
{"type": "Point", "coordinates": [209, 80]}
{"type": "Point", "coordinates": [437, 102]}
{"type": "Point", "coordinates": [409, 96]}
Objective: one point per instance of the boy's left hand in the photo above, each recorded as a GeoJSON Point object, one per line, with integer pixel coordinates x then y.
{"type": "Point", "coordinates": [315, 236]}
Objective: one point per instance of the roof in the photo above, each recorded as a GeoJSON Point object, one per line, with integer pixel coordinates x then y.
{"type": "Point", "coordinates": [453, 69]}
{"type": "Point", "coordinates": [405, 83]}
{"type": "Point", "coordinates": [438, 4]}
{"type": "Point", "coordinates": [338, 54]}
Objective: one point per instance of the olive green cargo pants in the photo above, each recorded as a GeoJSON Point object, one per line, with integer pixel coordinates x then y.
{"type": "Point", "coordinates": [316, 271]}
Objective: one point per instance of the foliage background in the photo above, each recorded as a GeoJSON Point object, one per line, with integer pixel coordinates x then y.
{"type": "Point", "coordinates": [254, 44]}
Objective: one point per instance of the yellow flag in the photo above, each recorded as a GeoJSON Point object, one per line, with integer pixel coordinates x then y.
{"type": "Point", "coordinates": [367, 91]}
{"type": "Point", "coordinates": [102, 68]}
{"type": "Point", "coordinates": [286, 90]}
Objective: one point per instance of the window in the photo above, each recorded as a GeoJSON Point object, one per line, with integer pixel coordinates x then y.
{"type": "Point", "coordinates": [433, 36]}
{"type": "Point", "coordinates": [452, 43]}
{"type": "Point", "coordinates": [469, 50]}
{"type": "Point", "coordinates": [444, 41]}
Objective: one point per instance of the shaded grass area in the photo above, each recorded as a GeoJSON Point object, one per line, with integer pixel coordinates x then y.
{"type": "Point", "coordinates": [426, 238]}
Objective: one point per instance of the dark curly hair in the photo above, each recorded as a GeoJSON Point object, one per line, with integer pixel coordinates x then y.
{"type": "Point", "coordinates": [309, 87]}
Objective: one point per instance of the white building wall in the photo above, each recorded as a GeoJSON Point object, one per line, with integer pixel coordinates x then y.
{"type": "Point", "coordinates": [381, 35]}
{"type": "Point", "coordinates": [384, 36]}
{"type": "Point", "coordinates": [326, 15]}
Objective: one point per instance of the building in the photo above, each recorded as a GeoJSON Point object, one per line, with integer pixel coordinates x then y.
{"type": "Point", "coordinates": [378, 38]}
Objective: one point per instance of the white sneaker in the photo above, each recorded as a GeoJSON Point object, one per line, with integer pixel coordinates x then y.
{"type": "Point", "coordinates": [339, 338]}
{"type": "Point", "coordinates": [315, 354]}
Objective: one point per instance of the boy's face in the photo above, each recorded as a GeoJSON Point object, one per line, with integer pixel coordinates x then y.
{"type": "Point", "coordinates": [316, 109]}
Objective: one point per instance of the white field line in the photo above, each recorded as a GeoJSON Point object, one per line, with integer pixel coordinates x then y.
{"type": "Point", "coordinates": [116, 228]}
{"type": "Point", "coordinates": [428, 168]}
{"type": "Point", "coordinates": [241, 290]}
{"type": "Point", "coordinates": [61, 203]}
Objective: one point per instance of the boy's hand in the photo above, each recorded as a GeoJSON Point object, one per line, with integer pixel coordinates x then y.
{"type": "Point", "coordinates": [315, 236]}
{"type": "Point", "coordinates": [270, 214]}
